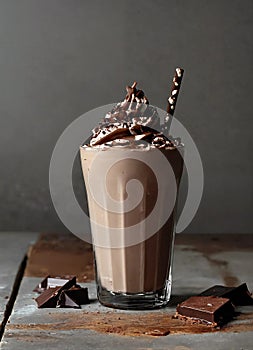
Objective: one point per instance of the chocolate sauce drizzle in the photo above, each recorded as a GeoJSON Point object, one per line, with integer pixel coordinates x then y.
{"type": "Point", "coordinates": [133, 119]}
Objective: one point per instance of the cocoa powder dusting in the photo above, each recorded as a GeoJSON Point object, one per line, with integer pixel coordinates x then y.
{"type": "Point", "coordinates": [132, 324]}
{"type": "Point", "coordinates": [60, 254]}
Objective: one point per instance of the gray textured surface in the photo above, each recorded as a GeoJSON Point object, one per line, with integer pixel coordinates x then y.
{"type": "Point", "coordinates": [13, 248]}
{"type": "Point", "coordinates": [73, 340]}
{"type": "Point", "coordinates": [193, 271]}
{"type": "Point", "coordinates": [59, 59]}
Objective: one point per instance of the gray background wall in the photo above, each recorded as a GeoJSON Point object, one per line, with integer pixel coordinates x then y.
{"type": "Point", "coordinates": [60, 58]}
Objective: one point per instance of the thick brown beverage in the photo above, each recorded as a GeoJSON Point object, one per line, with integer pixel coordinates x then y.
{"type": "Point", "coordinates": [143, 267]}
{"type": "Point", "coordinates": [132, 173]}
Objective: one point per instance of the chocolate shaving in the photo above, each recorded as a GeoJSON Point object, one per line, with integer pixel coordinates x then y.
{"type": "Point", "coordinates": [135, 95]}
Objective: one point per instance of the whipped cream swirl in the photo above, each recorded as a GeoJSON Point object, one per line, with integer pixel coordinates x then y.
{"type": "Point", "coordinates": [133, 120]}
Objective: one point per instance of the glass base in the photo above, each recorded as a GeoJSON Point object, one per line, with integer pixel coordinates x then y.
{"type": "Point", "coordinates": [135, 301]}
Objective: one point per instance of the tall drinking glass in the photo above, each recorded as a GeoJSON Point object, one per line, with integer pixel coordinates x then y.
{"type": "Point", "coordinates": [132, 196]}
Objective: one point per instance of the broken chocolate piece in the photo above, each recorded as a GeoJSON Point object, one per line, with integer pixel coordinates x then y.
{"type": "Point", "coordinates": [61, 292]}
{"type": "Point", "coordinates": [211, 310]}
{"type": "Point", "coordinates": [51, 282]}
{"type": "Point", "coordinates": [65, 301]}
{"type": "Point", "coordinates": [73, 297]}
{"type": "Point", "coordinates": [238, 295]}
{"type": "Point", "coordinates": [79, 294]}
{"type": "Point", "coordinates": [48, 298]}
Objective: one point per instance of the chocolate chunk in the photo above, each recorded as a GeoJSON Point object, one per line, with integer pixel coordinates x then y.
{"type": "Point", "coordinates": [61, 292]}
{"type": "Point", "coordinates": [206, 309]}
{"type": "Point", "coordinates": [65, 301]}
{"type": "Point", "coordinates": [51, 288]}
{"type": "Point", "coordinates": [73, 297]}
{"type": "Point", "coordinates": [238, 295]}
{"type": "Point", "coordinates": [51, 282]}
{"type": "Point", "coordinates": [48, 298]}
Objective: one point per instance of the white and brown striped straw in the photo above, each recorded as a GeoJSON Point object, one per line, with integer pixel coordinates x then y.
{"type": "Point", "coordinates": [172, 99]}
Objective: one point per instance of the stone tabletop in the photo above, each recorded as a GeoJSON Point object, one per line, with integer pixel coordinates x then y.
{"type": "Point", "coordinates": [200, 261]}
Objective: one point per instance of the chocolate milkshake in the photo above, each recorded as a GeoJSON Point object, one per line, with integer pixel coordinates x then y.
{"type": "Point", "coordinates": [132, 173]}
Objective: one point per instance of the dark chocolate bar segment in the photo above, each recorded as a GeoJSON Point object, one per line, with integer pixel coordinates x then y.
{"type": "Point", "coordinates": [49, 297]}
{"type": "Point", "coordinates": [238, 295]}
{"type": "Point", "coordinates": [206, 309]}
{"type": "Point", "coordinates": [74, 297]}
{"type": "Point", "coordinates": [65, 301]}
